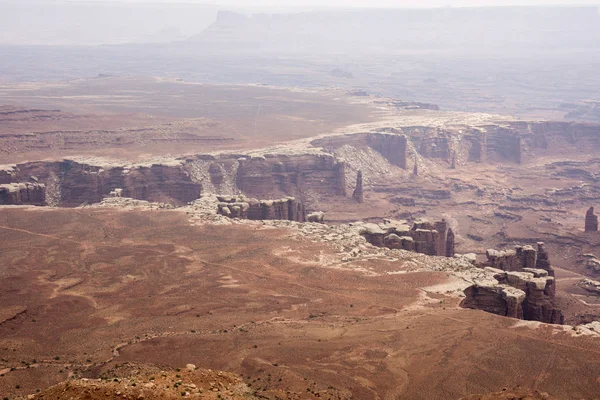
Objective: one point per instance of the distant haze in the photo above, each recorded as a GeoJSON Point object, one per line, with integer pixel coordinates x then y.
{"type": "Point", "coordinates": [371, 3]}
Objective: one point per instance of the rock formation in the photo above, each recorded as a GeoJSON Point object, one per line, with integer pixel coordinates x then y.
{"type": "Point", "coordinates": [543, 262]}
{"type": "Point", "coordinates": [280, 209]}
{"type": "Point", "coordinates": [513, 260]}
{"type": "Point", "coordinates": [422, 237]}
{"type": "Point", "coordinates": [416, 168]}
{"type": "Point", "coordinates": [523, 295]}
{"type": "Point", "coordinates": [23, 193]}
{"type": "Point", "coordinates": [317, 216]}
{"type": "Point", "coordinates": [450, 243]}
{"type": "Point", "coordinates": [525, 288]}
{"type": "Point", "coordinates": [358, 192]}
{"type": "Point", "coordinates": [590, 285]}
{"type": "Point", "coordinates": [591, 221]}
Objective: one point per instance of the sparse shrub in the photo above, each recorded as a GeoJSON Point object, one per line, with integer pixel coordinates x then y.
{"type": "Point", "coordinates": [57, 358]}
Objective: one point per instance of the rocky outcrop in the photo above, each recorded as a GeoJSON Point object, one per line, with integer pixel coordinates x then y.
{"type": "Point", "coordinates": [525, 286]}
{"type": "Point", "coordinates": [591, 286]}
{"type": "Point", "coordinates": [512, 260]}
{"type": "Point", "coordinates": [240, 207]}
{"type": "Point", "coordinates": [591, 263]}
{"type": "Point", "coordinates": [540, 291]}
{"type": "Point", "coordinates": [422, 237]}
{"type": "Point", "coordinates": [391, 144]}
{"type": "Point", "coordinates": [450, 243]}
{"type": "Point", "coordinates": [543, 261]}
{"type": "Point", "coordinates": [23, 193]}
{"type": "Point", "coordinates": [523, 295]}
{"type": "Point", "coordinates": [500, 300]}
{"type": "Point", "coordinates": [74, 183]}
{"type": "Point", "coordinates": [591, 221]}
{"type": "Point", "coordinates": [283, 175]}
{"type": "Point", "coordinates": [358, 192]}
{"type": "Point", "coordinates": [317, 217]}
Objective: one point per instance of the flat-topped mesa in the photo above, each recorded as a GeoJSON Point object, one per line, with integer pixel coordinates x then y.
{"type": "Point", "coordinates": [240, 207]}
{"type": "Point", "coordinates": [422, 237]}
{"type": "Point", "coordinates": [591, 221]}
{"type": "Point", "coordinates": [23, 194]}
{"type": "Point", "coordinates": [358, 192]}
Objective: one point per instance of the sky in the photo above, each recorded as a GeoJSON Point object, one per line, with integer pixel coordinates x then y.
{"type": "Point", "coordinates": [370, 3]}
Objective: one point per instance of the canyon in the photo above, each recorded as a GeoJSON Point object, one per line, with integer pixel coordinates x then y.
{"type": "Point", "coordinates": [310, 263]}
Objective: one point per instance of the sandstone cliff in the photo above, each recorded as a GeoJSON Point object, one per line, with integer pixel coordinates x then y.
{"type": "Point", "coordinates": [23, 193]}
{"type": "Point", "coordinates": [422, 237]}
{"type": "Point", "coordinates": [523, 290]}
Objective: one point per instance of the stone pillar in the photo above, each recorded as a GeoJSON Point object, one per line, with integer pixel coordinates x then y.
{"type": "Point", "coordinates": [416, 168]}
{"type": "Point", "coordinates": [453, 165]}
{"type": "Point", "coordinates": [591, 221]}
{"type": "Point", "coordinates": [358, 192]}
{"type": "Point", "coordinates": [450, 243]}
{"type": "Point", "coordinates": [442, 228]}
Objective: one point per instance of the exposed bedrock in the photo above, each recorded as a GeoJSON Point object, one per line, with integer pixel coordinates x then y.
{"type": "Point", "coordinates": [309, 174]}
{"type": "Point", "coordinates": [23, 194]}
{"type": "Point", "coordinates": [243, 208]}
{"type": "Point", "coordinates": [393, 145]}
{"type": "Point", "coordinates": [422, 237]}
{"type": "Point", "coordinates": [73, 183]}
{"type": "Point", "coordinates": [512, 260]}
{"type": "Point", "coordinates": [270, 175]}
{"type": "Point", "coordinates": [525, 286]}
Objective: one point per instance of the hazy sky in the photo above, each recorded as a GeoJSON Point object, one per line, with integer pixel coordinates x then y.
{"type": "Point", "coordinates": [377, 3]}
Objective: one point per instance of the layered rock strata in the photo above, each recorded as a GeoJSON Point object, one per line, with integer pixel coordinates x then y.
{"type": "Point", "coordinates": [525, 287]}
{"type": "Point", "coordinates": [280, 209]}
{"type": "Point", "coordinates": [422, 237]}
{"type": "Point", "coordinates": [23, 194]}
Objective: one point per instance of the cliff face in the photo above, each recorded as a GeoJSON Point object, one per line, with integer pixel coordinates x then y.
{"type": "Point", "coordinates": [23, 193]}
{"type": "Point", "coordinates": [72, 183]}
{"type": "Point", "coordinates": [243, 208]}
{"type": "Point", "coordinates": [391, 145]}
{"type": "Point", "coordinates": [274, 176]}
{"type": "Point", "coordinates": [422, 237]}
{"type": "Point", "coordinates": [525, 286]}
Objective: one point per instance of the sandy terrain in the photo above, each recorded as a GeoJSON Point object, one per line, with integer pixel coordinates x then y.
{"type": "Point", "coordinates": [102, 287]}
